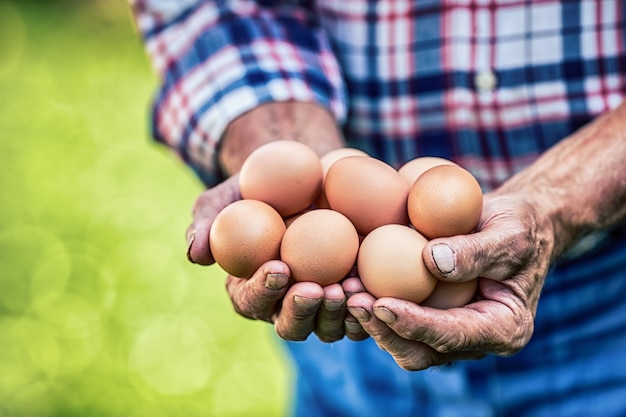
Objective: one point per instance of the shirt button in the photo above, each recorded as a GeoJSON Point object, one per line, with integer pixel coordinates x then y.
{"type": "Point", "coordinates": [485, 80]}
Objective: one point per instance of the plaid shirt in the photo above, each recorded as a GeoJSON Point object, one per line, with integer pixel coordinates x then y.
{"type": "Point", "coordinates": [488, 84]}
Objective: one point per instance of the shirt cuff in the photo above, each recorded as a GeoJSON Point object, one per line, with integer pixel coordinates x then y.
{"type": "Point", "coordinates": [217, 63]}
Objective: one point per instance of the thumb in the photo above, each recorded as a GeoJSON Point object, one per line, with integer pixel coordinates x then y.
{"type": "Point", "coordinates": [462, 258]}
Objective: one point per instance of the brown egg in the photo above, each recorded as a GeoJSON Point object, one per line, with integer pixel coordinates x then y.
{"type": "Point", "coordinates": [327, 160]}
{"type": "Point", "coordinates": [416, 167]}
{"type": "Point", "coordinates": [245, 235]}
{"type": "Point", "coordinates": [449, 294]}
{"type": "Point", "coordinates": [390, 264]}
{"type": "Point", "coordinates": [367, 191]}
{"type": "Point", "coordinates": [285, 174]}
{"type": "Point", "coordinates": [320, 246]}
{"type": "Point", "coordinates": [445, 200]}
{"type": "Point", "coordinates": [333, 156]}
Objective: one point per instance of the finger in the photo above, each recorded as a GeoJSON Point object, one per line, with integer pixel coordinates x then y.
{"type": "Point", "coordinates": [213, 200]}
{"type": "Point", "coordinates": [353, 329]}
{"type": "Point", "coordinates": [408, 354]}
{"type": "Point", "coordinates": [498, 325]}
{"type": "Point", "coordinates": [332, 312]}
{"type": "Point", "coordinates": [352, 286]}
{"type": "Point", "coordinates": [296, 319]}
{"type": "Point", "coordinates": [259, 297]}
{"type": "Point", "coordinates": [492, 253]}
{"type": "Point", "coordinates": [205, 209]}
{"type": "Point", "coordinates": [198, 250]}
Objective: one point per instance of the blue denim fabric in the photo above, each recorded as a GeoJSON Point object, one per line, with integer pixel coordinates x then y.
{"type": "Point", "coordinates": [575, 364]}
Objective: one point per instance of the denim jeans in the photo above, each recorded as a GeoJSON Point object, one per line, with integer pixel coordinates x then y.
{"type": "Point", "coordinates": [574, 365]}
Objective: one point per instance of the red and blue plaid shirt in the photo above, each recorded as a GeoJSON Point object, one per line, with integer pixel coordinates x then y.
{"type": "Point", "coordinates": [488, 84]}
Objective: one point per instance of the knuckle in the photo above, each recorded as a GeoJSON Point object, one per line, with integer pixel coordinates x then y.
{"type": "Point", "coordinates": [244, 308]}
{"type": "Point", "coordinates": [247, 303]}
{"type": "Point", "coordinates": [416, 358]}
{"type": "Point", "coordinates": [452, 343]}
{"type": "Point", "coordinates": [509, 343]}
{"type": "Point", "coordinates": [524, 334]}
{"type": "Point", "coordinates": [445, 342]}
{"type": "Point", "coordinates": [242, 311]}
{"type": "Point", "coordinates": [386, 340]}
{"type": "Point", "coordinates": [280, 332]}
{"type": "Point", "coordinates": [412, 364]}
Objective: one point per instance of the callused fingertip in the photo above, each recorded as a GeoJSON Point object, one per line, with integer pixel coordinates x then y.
{"type": "Point", "coordinates": [444, 258]}
{"type": "Point", "coordinates": [353, 327]}
{"type": "Point", "coordinates": [306, 302]}
{"type": "Point", "coordinates": [333, 305]}
{"type": "Point", "coordinates": [361, 314]}
{"type": "Point", "coordinates": [276, 281]}
{"type": "Point", "coordinates": [385, 315]}
{"type": "Point", "coordinates": [351, 286]}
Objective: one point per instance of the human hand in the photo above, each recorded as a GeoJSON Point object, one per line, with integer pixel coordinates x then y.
{"type": "Point", "coordinates": [296, 309]}
{"type": "Point", "coordinates": [510, 255]}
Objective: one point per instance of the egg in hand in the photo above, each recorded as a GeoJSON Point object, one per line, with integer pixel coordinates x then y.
{"type": "Point", "coordinates": [444, 201]}
{"type": "Point", "coordinates": [320, 246]}
{"type": "Point", "coordinates": [245, 235]}
{"type": "Point", "coordinates": [390, 264]}
{"type": "Point", "coordinates": [285, 174]}
{"type": "Point", "coordinates": [367, 191]}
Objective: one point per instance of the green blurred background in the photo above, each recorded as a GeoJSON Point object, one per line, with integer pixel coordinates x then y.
{"type": "Point", "coordinates": [100, 312]}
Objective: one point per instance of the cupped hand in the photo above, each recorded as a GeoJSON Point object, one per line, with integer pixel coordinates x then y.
{"type": "Point", "coordinates": [204, 211]}
{"type": "Point", "coordinates": [510, 254]}
{"type": "Point", "coordinates": [296, 309]}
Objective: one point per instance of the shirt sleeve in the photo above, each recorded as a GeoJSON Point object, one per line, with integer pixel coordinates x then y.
{"type": "Point", "coordinates": [218, 59]}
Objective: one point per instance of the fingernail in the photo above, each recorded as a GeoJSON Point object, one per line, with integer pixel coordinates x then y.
{"type": "Point", "coordinates": [333, 305]}
{"type": "Point", "coordinates": [444, 258]}
{"type": "Point", "coordinates": [360, 314]}
{"type": "Point", "coordinates": [353, 327]}
{"type": "Point", "coordinates": [306, 302]}
{"type": "Point", "coordinates": [190, 240]}
{"type": "Point", "coordinates": [276, 281]}
{"type": "Point", "coordinates": [384, 314]}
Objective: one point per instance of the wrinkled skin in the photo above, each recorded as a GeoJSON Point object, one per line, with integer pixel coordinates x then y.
{"type": "Point", "coordinates": [525, 225]}
{"type": "Point", "coordinates": [296, 309]}
{"type": "Point", "coordinates": [511, 262]}
{"type": "Point", "coordinates": [510, 254]}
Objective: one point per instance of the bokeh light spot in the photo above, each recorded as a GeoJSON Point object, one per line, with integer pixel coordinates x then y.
{"type": "Point", "coordinates": [50, 275]}
{"type": "Point", "coordinates": [93, 271]}
{"type": "Point", "coordinates": [29, 354]}
{"type": "Point", "coordinates": [76, 326]}
{"type": "Point", "coordinates": [172, 354]}
{"type": "Point", "coordinates": [21, 248]}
